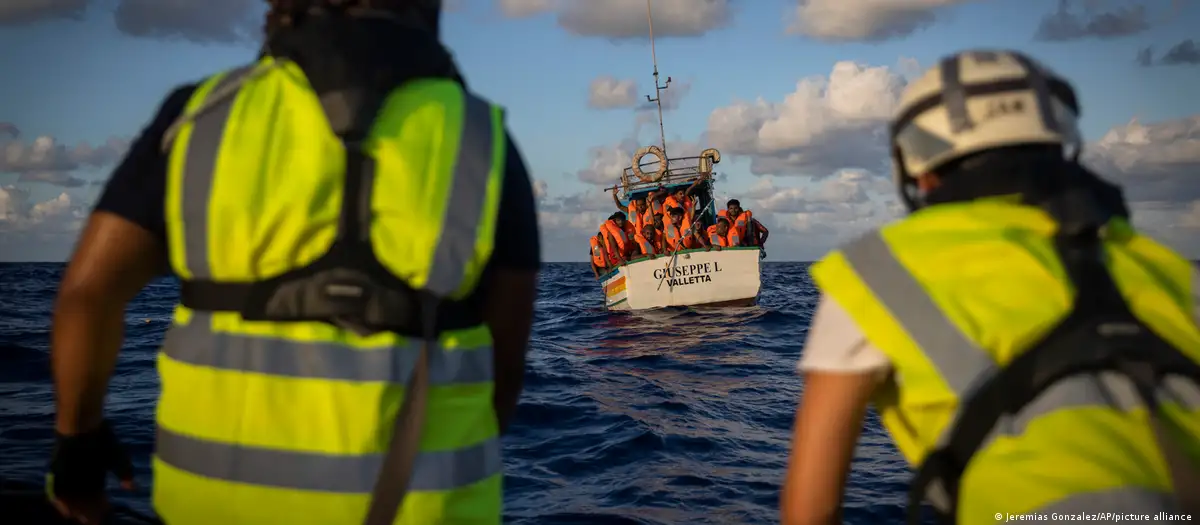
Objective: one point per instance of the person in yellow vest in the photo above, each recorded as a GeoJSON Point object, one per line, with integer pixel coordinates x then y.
{"type": "Point", "coordinates": [357, 248]}
{"type": "Point", "coordinates": [1030, 353]}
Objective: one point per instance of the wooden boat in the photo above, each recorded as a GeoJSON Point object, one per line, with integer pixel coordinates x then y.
{"type": "Point", "coordinates": [699, 277]}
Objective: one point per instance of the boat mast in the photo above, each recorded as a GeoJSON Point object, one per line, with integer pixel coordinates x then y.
{"type": "Point", "coordinates": [658, 89]}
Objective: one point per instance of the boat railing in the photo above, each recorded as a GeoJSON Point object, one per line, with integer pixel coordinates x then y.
{"type": "Point", "coordinates": [679, 170]}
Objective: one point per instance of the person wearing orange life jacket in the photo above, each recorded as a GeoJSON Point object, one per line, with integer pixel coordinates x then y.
{"type": "Point", "coordinates": [614, 226]}
{"type": "Point", "coordinates": [654, 205]}
{"type": "Point", "coordinates": [635, 213]}
{"type": "Point", "coordinates": [721, 235]}
{"type": "Point", "coordinates": [691, 242]}
{"type": "Point", "coordinates": [648, 242]}
{"type": "Point", "coordinates": [676, 232]}
{"type": "Point", "coordinates": [659, 226]}
{"type": "Point", "coordinates": [599, 253]}
{"type": "Point", "coordinates": [682, 198]}
{"type": "Point", "coordinates": [739, 220]}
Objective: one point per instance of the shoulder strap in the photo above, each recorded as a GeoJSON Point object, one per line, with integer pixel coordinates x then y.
{"type": "Point", "coordinates": [228, 87]}
{"type": "Point", "coordinates": [395, 475]}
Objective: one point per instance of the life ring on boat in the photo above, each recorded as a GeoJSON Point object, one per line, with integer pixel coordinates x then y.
{"type": "Point", "coordinates": [635, 164]}
{"type": "Point", "coordinates": [709, 157]}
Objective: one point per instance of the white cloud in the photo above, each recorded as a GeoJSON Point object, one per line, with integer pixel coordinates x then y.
{"type": "Point", "coordinates": [45, 160]}
{"type": "Point", "coordinates": [37, 231]}
{"type": "Point", "coordinates": [606, 163]}
{"type": "Point", "coordinates": [864, 20]}
{"type": "Point", "coordinates": [826, 124]}
{"type": "Point", "coordinates": [1158, 166]}
{"type": "Point", "coordinates": [626, 19]}
{"type": "Point", "coordinates": [566, 221]}
{"type": "Point", "coordinates": [1154, 162]}
{"type": "Point", "coordinates": [18, 213]}
{"type": "Point", "coordinates": [848, 187]}
{"type": "Point", "coordinates": [606, 92]}
{"type": "Point", "coordinates": [46, 230]}
{"type": "Point", "coordinates": [810, 219]}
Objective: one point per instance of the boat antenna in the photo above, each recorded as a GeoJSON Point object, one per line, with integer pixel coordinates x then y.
{"type": "Point", "coordinates": [658, 89]}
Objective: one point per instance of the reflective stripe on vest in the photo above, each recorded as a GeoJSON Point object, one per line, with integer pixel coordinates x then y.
{"type": "Point", "coordinates": [715, 238]}
{"type": "Point", "coordinates": [434, 471]}
{"type": "Point", "coordinates": [673, 237]}
{"type": "Point", "coordinates": [646, 246]}
{"type": "Point", "coordinates": [597, 252]}
{"type": "Point", "coordinates": [450, 272]}
{"type": "Point", "coordinates": [1195, 294]}
{"type": "Point", "coordinates": [961, 365]}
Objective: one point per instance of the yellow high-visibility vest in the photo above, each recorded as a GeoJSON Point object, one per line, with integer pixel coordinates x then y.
{"type": "Point", "coordinates": [287, 422]}
{"type": "Point", "coordinates": [955, 292]}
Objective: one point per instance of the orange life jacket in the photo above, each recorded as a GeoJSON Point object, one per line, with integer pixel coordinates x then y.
{"type": "Point", "coordinates": [618, 234]}
{"type": "Point", "coordinates": [741, 223]}
{"type": "Point", "coordinates": [648, 216]}
{"type": "Point", "coordinates": [655, 208]}
{"type": "Point", "coordinates": [723, 241]}
{"type": "Point", "coordinates": [647, 246]}
{"type": "Point", "coordinates": [677, 237]}
{"type": "Point", "coordinates": [638, 219]}
{"type": "Point", "coordinates": [598, 252]}
{"type": "Point", "coordinates": [689, 240]}
{"type": "Point", "coordinates": [688, 204]}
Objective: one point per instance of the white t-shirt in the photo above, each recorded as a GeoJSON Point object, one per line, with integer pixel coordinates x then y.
{"type": "Point", "coordinates": [835, 344]}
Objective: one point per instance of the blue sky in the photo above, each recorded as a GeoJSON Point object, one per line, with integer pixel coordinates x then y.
{"type": "Point", "coordinates": [83, 76]}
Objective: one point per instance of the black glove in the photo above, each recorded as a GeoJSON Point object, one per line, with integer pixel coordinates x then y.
{"type": "Point", "coordinates": [762, 253]}
{"type": "Point", "coordinates": [80, 464]}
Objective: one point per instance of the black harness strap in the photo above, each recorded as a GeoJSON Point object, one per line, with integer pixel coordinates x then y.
{"type": "Point", "coordinates": [347, 286]}
{"type": "Point", "coordinates": [1100, 334]}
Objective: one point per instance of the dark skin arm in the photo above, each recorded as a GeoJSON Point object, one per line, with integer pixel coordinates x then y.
{"type": "Point", "coordinates": [616, 248]}
{"type": "Point", "coordinates": [509, 315]}
{"type": "Point", "coordinates": [616, 201]}
{"type": "Point", "coordinates": [113, 261]}
{"type": "Point", "coordinates": [696, 184]}
{"type": "Point", "coordinates": [714, 244]}
{"type": "Point", "coordinates": [762, 231]}
{"type": "Point", "coordinates": [700, 239]}
{"type": "Point", "coordinates": [829, 421]}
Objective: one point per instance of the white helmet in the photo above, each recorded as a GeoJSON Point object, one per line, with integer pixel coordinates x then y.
{"type": "Point", "coordinates": [979, 100]}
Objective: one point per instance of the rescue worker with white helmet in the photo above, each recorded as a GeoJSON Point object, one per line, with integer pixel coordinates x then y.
{"type": "Point", "coordinates": [356, 243]}
{"type": "Point", "coordinates": [1028, 351]}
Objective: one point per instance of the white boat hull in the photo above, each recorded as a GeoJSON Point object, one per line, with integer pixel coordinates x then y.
{"type": "Point", "coordinates": [729, 277]}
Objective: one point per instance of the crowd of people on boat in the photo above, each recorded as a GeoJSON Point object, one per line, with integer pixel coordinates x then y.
{"type": "Point", "coordinates": [664, 222]}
